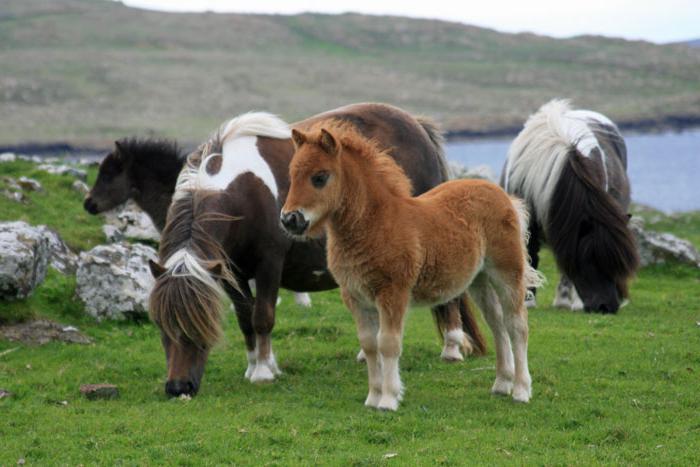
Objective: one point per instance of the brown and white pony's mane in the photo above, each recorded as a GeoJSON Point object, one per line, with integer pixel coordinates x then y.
{"type": "Point", "coordinates": [186, 300]}
{"type": "Point", "coordinates": [369, 151]}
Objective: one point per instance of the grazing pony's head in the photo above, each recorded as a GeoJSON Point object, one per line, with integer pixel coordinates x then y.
{"type": "Point", "coordinates": [186, 300]}
{"type": "Point", "coordinates": [322, 159]}
{"type": "Point", "coordinates": [588, 232]}
{"type": "Point", "coordinates": [115, 182]}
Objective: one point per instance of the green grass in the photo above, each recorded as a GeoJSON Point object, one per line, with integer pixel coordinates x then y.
{"type": "Point", "coordinates": [607, 389]}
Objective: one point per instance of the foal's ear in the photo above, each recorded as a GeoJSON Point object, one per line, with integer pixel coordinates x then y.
{"type": "Point", "coordinates": [298, 138]}
{"type": "Point", "coordinates": [328, 143]}
{"type": "Point", "coordinates": [156, 269]}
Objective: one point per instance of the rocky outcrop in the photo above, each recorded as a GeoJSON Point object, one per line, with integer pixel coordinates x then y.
{"type": "Point", "coordinates": [64, 170]}
{"type": "Point", "coordinates": [62, 258]}
{"type": "Point", "coordinates": [661, 247]}
{"type": "Point", "coordinates": [24, 256]}
{"type": "Point", "coordinates": [114, 281]}
{"type": "Point", "coordinates": [129, 221]}
{"type": "Point", "coordinates": [29, 184]}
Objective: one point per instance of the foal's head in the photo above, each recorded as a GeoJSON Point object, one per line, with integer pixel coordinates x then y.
{"type": "Point", "coordinates": [114, 186]}
{"type": "Point", "coordinates": [315, 183]}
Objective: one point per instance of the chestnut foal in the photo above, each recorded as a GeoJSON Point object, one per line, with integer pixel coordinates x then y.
{"type": "Point", "coordinates": [387, 249]}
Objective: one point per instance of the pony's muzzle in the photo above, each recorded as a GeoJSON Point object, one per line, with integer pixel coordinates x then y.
{"type": "Point", "coordinates": [90, 205]}
{"type": "Point", "coordinates": [294, 222]}
{"type": "Point", "coordinates": [176, 388]}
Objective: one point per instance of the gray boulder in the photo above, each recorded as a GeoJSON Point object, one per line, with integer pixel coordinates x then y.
{"type": "Point", "coordinates": [24, 256]}
{"type": "Point", "coordinates": [129, 221]}
{"type": "Point", "coordinates": [8, 157]}
{"type": "Point", "coordinates": [114, 281]}
{"type": "Point", "coordinates": [80, 186]}
{"type": "Point", "coordinates": [62, 258]}
{"type": "Point", "coordinates": [64, 170]}
{"type": "Point", "coordinates": [29, 184]}
{"type": "Point", "coordinates": [661, 247]}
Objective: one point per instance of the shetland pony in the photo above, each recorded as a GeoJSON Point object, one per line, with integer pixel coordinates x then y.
{"type": "Point", "coordinates": [570, 167]}
{"type": "Point", "coordinates": [223, 229]}
{"type": "Point", "coordinates": [145, 171]}
{"type": "Point", "coordinates": [388, 250]}
{"type": "Point", "coordinates": [142, 170]}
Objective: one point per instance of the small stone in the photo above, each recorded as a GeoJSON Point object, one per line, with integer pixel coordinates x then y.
{"type": "Point", "coordinates": [21, 461]}
{"type": "Point", "coordinates": [4, 394]}
{"type": "Point", "coordinates": [81, 187]}
{"type": "Point", "coordinates": [8, 157]}
{"type": "Point", "coordinates": [29, 184]}
{"type": "Point", "coordinates": [99, 391]}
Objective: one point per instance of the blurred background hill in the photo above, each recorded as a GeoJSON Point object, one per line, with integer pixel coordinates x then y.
{"type": "Point", "coordinates": [88, 71]}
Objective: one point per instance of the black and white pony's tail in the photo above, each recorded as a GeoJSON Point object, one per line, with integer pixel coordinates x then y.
{"type": "Point", "coordinates": [533, 278]}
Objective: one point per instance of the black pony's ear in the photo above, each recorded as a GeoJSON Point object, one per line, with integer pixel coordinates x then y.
{"type": "Point", "coordinates": [156, 269]}
{"type": "Point", "coordinates": [298, 138]}
{"type": "Point", "coordinates": [122, 153]}
{"type": "Point", "coordinates": [328, 143]}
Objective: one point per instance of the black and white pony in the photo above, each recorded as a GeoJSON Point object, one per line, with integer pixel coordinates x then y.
{"type": "Point", "coordinates": [570, 166]}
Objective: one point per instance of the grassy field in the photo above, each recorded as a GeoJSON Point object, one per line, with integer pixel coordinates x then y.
{"type": "Point", "coordinates": [607, 389]}
{"type": "Point", "coordinates": [88, 71]}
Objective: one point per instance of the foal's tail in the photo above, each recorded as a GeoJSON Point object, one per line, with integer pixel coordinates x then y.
{"type": "Point", "coordinates": [470, 327]}
{"type": "Point", "coordinates": [533, 278]}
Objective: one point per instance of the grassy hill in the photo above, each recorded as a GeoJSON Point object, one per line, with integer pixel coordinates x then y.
{"type": "Point", "coordinates": [87, 71]}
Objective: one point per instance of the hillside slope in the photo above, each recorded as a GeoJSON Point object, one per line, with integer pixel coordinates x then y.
{"type": "Point", "coordinates": [86, 71]}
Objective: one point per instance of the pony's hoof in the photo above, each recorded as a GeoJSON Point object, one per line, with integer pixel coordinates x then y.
{"type": "Point", "coordinates": [531, 302]}
{"type": "Point", "coordinates": [302, 299]}
{"type": "Point", "coordinates": [262, 374]}
{"type": "Point", "coordinates": [502, 387]}
{"type": "Point", "coordinates": [373, 399]}
{"type": "Point", "coordinates": [249, 372]}
{"type": "Point", "coordinates": [522, 394]}
{"type": "Point", "coordinates": [451, 353]}
{"type": "Point", "coordinates": [388, 403]}
{"type": "Point", "coordinates": [361, 358]}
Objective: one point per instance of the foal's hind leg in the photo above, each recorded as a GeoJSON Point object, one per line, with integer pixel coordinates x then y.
{"type": "Point", "coordinates": [485, 297]}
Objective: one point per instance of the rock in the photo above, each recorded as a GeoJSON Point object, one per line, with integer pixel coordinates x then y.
{"type": "Point", "coordinates": [42, 332]}
{"type": "Point", "coordinates": [4, 393]}
{"type": "Point", "coordinates": [24, 256]}
{"type": "Point", "coordinates": [114, 281]}
{"type": "Point", "coordinates": [479, 171]}
{"type": "Point", "coordinates": [64, 170]}
{"type": "Point", "coordinates": [130, 222]}
{"type": "Point", "coordinates": [89, 161]}
{"type": "Point", "coordinates": [8, 157]}
{"type": "Point", "coordinates": [62, 259]}
{"type": "Point", "coordinates": [29, 184]}
{"type": "Point", "coordinates": [81, 187]}
{"type": "Point", "coordinates": [99, 391]}
{"type": "Point", "coordinates": [660, 247]}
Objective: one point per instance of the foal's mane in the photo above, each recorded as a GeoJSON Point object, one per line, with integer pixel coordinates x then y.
{"type": "Point", "coordinates": [161, 156]}
{"type": "Point", "coordinates": [368, 152]}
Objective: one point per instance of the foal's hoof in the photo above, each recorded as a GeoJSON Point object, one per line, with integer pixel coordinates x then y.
{"type": "Point", "coordinates": [302, 299]}
{"type": "Point", "coordinates": [522, 394]}
{"type": "Point", "coordinates": [502, 387]}
{"type": "Point", "coordinates": [451, 354]}
{"type": "Point", "coordinates": [388, 403]}
{"type": "Point", "coordinates": [373, 399]}
{"type": "Point", "coordinates": [361, 358]}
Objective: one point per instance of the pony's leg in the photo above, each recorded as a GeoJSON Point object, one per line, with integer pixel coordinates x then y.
{"type": "Point", "coordinates": [566, 296]}
{"type": "Point", "coordinates": [486, 299]}
{"type": "Point", "coordinates": [302, 299]}
{"type": "Point", "coordinates": [267, 280]}
{"type": "Point", "coordinates": [533, 251]}
{"type": "Point", "coordinates": [511, 297]}
{"type": "Point", "coordinates": [243, 305]}
{"type": "Point", "coordinates": [392, 308]}
{"type": "Point", "coordinates": [449, 324]}
{"type": "Point", "coordinates": [367, 322]}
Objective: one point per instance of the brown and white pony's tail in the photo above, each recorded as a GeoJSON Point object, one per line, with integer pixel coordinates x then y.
{"type": "Point", "coordinates": [533, 278]}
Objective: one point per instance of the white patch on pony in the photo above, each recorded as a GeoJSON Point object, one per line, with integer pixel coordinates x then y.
{"type": "Point", "coordinates": [302, 299]}
{"type": "Point", "coordinates": [251, 364]}
{"type": "Point", "coordinates": [538, 154]}
{"type": "Point", "coordinates": [454, 339]}
{"type": "Point", "coordinates": [265, 369]}
{"type": "Point", "coordinates": [183, 263]}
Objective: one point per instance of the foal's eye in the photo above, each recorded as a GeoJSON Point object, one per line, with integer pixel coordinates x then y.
{"type": "Point", "coordinates": [319, 180]}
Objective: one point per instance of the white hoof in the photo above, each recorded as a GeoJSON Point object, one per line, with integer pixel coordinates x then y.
{"type": "Point", "coordinates": [262, 374]}
{"type": "Point", "coordinates": [502, 387]}
{"type": "Point", "coordinates": [451, 353]}
{"type": "Point", "coordinates": [302, 299]}
{"type": "Point", "coordinates": [361, 358]}
{"type": "Point", "coordinates": [373, 399]}
{"type": "Point", "coordinates": [388, 402]}
{"type": "Point", "coordinates": [251, 365]}
{"type": "Point", "coordinates": [522, 393]}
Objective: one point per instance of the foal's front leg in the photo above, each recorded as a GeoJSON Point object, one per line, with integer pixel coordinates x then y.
{"type": "Point", "coordinates": [392, 306]}
{"type": "Point", "coordinates": [367, 322]}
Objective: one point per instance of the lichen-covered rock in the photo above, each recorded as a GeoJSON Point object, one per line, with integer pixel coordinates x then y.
{"type": "Point", "coordinates": [114, 281]}
{"type": "Point", "coordinates": [661, 247]}
{"type": "Point", "coordinates": [8, 157]}
{"type": "Point", "coordinates": [29, 184]}
{"type": "Point", "coordinates": [63, 170]}
{"type": "Point", "coordinates": [24, 256]}
{"type": "Point", "coordinates": [80, 186]}
{"type": "Point", "coordinates": [129, 221]}
{"type": "Point", "coordinates": [62, 259]}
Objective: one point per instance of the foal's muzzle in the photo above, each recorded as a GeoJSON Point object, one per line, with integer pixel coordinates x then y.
{"type": "Point", "coordinates": [294, 222]}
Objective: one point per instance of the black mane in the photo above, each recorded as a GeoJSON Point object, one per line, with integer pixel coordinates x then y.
{"type": "Point", "coordinates": [162, 157]}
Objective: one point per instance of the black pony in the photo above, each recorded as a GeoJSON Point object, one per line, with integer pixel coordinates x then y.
{"type": "Point", "coordinates": [570, 166]}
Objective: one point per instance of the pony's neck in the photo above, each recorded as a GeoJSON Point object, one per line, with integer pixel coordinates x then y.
{"type": "Point", "coordinates": [154, 191]}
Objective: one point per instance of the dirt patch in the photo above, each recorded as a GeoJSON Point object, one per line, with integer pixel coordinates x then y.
{"type": "Point", "coordinates": [42, 332]}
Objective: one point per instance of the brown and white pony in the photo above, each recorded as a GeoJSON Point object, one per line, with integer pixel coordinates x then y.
{"type": "Point", "coordinates": [388, 250]}
{"type": "Point", "coordinates": [570, 166]}
{"type": "Point", "coordinates": [223, 229]}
